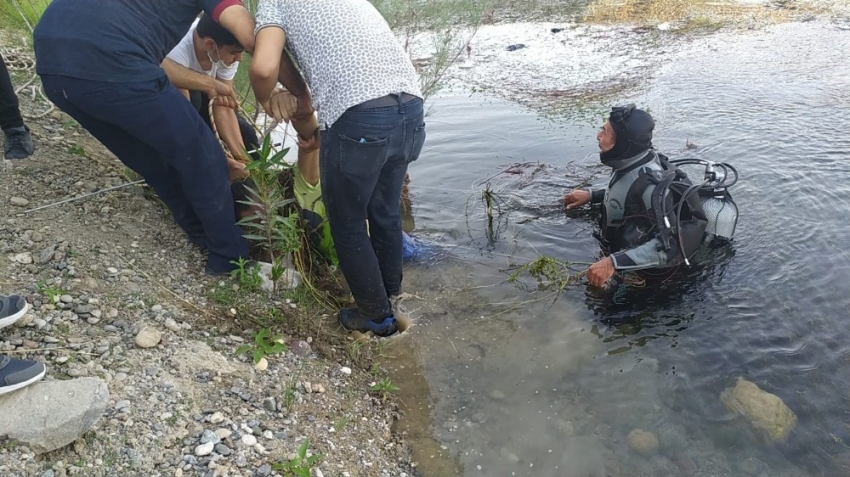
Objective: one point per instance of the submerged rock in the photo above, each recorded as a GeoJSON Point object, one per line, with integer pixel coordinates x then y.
{"type": "Point", "coordinates": [766, 412]}
{"type": "Point", "coordinates": [642, 441]}
{"type": "Point", "coordinates": [52, 414]}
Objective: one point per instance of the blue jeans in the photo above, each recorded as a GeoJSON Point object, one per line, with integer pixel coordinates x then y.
{"type": "Point", "coordinates": [364, 159]}
{"type": "Point", "coordinates": [155, 132]}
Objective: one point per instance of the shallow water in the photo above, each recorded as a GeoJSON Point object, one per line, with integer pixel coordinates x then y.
{"type": "Point", "coordinates": [553, 388]}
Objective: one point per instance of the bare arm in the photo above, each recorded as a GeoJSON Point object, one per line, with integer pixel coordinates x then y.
{"type": "Point", "coordinates": [184, 78]}
{"type": "Point", "coordinates": [228, 128]}
{"type": "Point", "coordinates": [271, 64]}
{"type": "Point", "coordinates": [238, 20]}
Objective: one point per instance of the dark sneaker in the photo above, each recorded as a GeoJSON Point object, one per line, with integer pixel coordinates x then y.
{"type": "Point", "coordinates": [352, 320]}
{"type": "Point", "coordinates": [18, 143]}
{"type": "Point", "coordinates": [12, 308]}
{"type": "Point", "coordinates": [18, 373]}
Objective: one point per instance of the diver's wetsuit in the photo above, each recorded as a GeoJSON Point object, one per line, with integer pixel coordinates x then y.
{"type": "Point", "coordinates": [626, 222]}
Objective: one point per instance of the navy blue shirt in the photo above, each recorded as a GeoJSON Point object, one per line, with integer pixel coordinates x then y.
{"type": "Point", "coordinates": [114, 40]}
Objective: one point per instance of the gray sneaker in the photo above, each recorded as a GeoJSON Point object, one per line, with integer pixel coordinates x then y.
{"type": "Point", "coordinates": [19, 373]}
{"type": "Point", "coordinates": [18, 143]}
{"type": "Point", "coordinates": [12, 308]}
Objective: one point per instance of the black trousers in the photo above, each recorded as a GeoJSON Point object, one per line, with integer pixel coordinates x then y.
{"type": "Point", "coordinates": [10, 112]}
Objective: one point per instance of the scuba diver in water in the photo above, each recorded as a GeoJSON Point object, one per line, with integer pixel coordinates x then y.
{"type": "Point", "coordinates": [653, 217]}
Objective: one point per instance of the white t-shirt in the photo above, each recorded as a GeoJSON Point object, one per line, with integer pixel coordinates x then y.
{"type": "Point", "coordinates": [184, 55]}
{"type": "Point", "coordinates": [345, 49]}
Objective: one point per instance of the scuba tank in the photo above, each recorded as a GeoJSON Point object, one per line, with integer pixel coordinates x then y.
{"type": "Point", "coordinates": [720, 209]}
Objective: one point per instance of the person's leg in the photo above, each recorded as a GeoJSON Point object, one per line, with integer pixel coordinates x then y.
{"type": "Point", "coordinates": [136, 155]}
{"type": "Point", "coordinates": [10, 113]}
{"type": "Point", "coordinates": [156, 114]}
{"type": "Point", "coordinates": [16, 373]}
{"type": "Point", "coordinates": [349, 171]}
{"type": "Point", "coordinates": [18, 139]}
{"type": "Point", "coordinates": [385, 204]}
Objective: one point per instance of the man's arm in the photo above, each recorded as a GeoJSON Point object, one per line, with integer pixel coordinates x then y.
{"type": "Point", "coordinates": [184, 78]}
{"type": "Point", "coordinates": [228, 128]}
{"type": "Point", "coordinates": [271, 64]}
{"type": "Point", "coordinates": [650, 254]}
{"type": "Point", "coordinates": [238, 20]}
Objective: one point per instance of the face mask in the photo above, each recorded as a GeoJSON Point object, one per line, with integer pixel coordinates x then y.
{"type": "Point", "coordinates": [218, 63]}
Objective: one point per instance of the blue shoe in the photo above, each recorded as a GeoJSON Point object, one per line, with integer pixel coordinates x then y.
{"type": "Point", "coordinates": [12, 308]}
{"type": "Point", "coordinates": [352, 320]}
{"type": "Point", "coordinates": [18, 373]}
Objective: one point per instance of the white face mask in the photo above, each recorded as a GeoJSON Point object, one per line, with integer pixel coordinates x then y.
{"type": "Point", "coordinates": [218, 63]}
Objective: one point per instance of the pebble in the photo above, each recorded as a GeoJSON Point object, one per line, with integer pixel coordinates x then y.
{"type": "Point", "coordinates": [48, 473]}
{"type": "Point", "coordinates": [223, 450]}
{"type": "Point", "coordinates": [249, 440]}
{"type": "Point", "coordinates": [66, 299]}
{"type": "Point", "coordinates": [270, 404]}
{"type": "Point", "coordinates": [301, 348]}
{"type": "Point", "coordinates": [261, 365]}
{"type": "Point", "coordinates": [345, 370]}
{"type": "Point", "coordinates": [122, 404]}
{"type": "Point", "coordinates": [217, 418]}
{"type": "Point", "coordinates": [19, 201]}
{"type": "Point", "coordinates": [210, 436]}
{"type": "Point", "coordinates": [178, 473]}
{"type": "Point", "coordinates": [268, 435]}
{"type": "Point", "coordinates": [265, 470]}
{"type": "Point", "coordinates": [148, 337]}
{"type": "Point", "coordinates": [204, 449]}
{"type": "Point", "coordinates": [241, 461]}
{"type": "Point", "coordinates": [259, 449]}
{"type": "Point", "coordinates": [172, 325]}
{"type": "Point", "coordinates": [223, 433]}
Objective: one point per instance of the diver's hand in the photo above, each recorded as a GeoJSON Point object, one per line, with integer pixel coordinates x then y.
{"type": "Point", "coordinates": [600, 272]}
{"type": "Point", "coordinates": [576, 198]}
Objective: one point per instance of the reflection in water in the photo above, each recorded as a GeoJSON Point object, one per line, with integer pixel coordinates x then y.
{"type": "Point", "coordinates": [556, 388]}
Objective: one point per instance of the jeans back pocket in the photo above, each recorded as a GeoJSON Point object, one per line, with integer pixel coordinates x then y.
{"type": "Point", "coordinates": [363, 157]}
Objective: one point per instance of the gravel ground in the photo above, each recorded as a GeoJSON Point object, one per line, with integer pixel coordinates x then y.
{"type": "Point", "coordinates": [118, 293]}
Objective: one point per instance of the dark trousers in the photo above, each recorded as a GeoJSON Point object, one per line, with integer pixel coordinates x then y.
{"type": "Point", "coordinates": [157, 133]}
{"type": "Point", "coordinates": [10, 113]}
{"type": "Point", "coordinates": [364, 159]}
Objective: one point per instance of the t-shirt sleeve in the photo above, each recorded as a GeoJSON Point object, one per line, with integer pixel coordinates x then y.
{"type": "Point", "coordinates": [268, 14]}
{"type": "Point", "coordinates": [214, 8]}
{"type": "Point", "coordinates": [183, 52]}
{"type": "Point", "coordinates": [227, 74]}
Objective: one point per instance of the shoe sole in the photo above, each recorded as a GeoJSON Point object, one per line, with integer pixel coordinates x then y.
{"type": "Point", "coordinates": [15, 387]}
{"type": "Point", "coordinates": [11, 320]}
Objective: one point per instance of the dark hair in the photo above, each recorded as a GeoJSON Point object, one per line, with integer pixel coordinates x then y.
{"type": "Point", "coordinates": [208, 28]}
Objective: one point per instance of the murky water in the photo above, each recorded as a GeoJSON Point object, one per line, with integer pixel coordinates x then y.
{"type": "Point", "coordinates": [522, 385]}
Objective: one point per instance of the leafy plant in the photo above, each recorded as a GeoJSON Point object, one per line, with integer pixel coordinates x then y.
{"type": "Point", "coordinates": [384, 387]}
{"type": "Point", "coordinates": [264, 344]}
{"type": "Point", "coordinates": [49, 291]}
{"type": "Point", "coordinates": [301, 465]}
{"type": "Point", "coordinates": [249, 277]}
{"type": "Point", "coordinates": [277, 234]}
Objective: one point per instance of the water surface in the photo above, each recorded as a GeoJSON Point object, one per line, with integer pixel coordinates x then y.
{"type": "Point", "coordinates": [549, 387]}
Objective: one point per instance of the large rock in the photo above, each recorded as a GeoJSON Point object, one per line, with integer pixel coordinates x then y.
{"type": "Point", "coordinates": [148, 337]}
{"type": "Point", "coordinates": [52, 414]}
{"type": "Point", "coordinates": [766, 412]}
{"type": "Point", "coordinates": [642, 441]}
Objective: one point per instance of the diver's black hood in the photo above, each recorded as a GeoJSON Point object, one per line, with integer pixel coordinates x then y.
{"type": "Point", "coordinates": [633, 128]}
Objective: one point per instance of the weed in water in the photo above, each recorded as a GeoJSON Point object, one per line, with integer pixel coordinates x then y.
{"type": "Point", "coordinates": [301, 465]}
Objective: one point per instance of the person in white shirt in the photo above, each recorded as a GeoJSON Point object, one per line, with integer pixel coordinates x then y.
{"type": "Point", "coordinates": [370, 114]}
{"type": "Point", "coordinates": [207, 58]}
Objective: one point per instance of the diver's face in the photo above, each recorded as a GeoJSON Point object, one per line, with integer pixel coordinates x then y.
{"type": "Point", "coordinates": [606, 137]}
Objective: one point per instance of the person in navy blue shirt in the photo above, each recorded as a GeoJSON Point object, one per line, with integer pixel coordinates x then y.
{"type": "Point", "coordinates": [99, 61]}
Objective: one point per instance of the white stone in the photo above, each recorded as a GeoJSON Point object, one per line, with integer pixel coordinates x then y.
{"type": "Point", "coordinates": [249, 440]}
{"type": "Point", "coordinates": [204, 449]}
